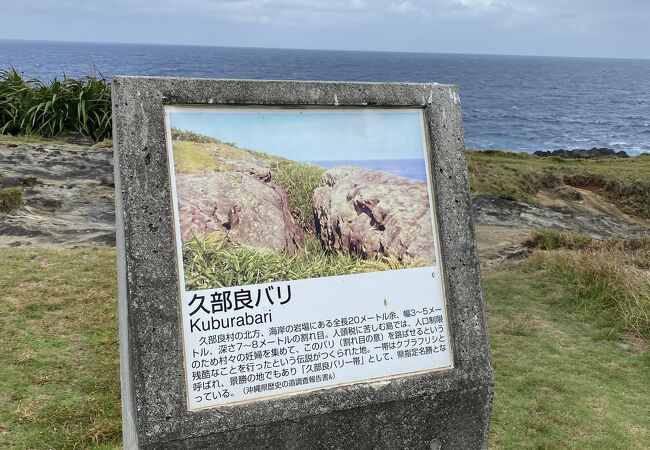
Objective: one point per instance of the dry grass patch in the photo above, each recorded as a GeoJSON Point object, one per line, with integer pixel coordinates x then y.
{"type": "Point", "coordinates": [608, 279]}
{"type": "Point", "coordinates": [10, 199]}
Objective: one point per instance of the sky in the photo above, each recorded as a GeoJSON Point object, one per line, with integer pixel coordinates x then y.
{"type": "Point", "coordinates": [593, 28]}
{"type": "Point", "coordinates": [311, 134]}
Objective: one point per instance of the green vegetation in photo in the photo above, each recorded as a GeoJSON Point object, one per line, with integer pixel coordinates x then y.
{"type": "Point", "coordinates": [33, 107]}
{"type": "Point", "coordinates": [213, 263]}
{"type": "Point", "coordinates": [562, 380]}
{"type": "Point", "coordinates": [190, 157]}
{"type": "Point", "coordinates": [299, 181]}
{"type": "Point", "coordinates": [10, 199]}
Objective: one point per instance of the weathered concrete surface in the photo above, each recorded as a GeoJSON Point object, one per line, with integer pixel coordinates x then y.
{"type": "Point", "coordinates": [154, 398]}
{"type": "Point", "coordinates": [373, 213]}
{"type": "Point", "coordinates": [383, 426]}
{"type": "Point", "coordinates": [249, 209]}
{"type": "Point", "coordinates": [68, 192]}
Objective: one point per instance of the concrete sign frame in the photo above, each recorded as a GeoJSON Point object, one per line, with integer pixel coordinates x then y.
{"type": "Point", "coordinates": [449, 407]}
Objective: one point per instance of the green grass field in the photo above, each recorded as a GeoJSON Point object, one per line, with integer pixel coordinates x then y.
{"type": "Point", "coordinates": [564, 378]}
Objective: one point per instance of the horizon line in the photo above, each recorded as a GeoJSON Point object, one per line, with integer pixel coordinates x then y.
{"type": "Point", "coordinates": [522, 55]}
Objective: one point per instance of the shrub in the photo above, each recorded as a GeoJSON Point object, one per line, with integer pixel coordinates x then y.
{"type": "Point", "coordinates": [10, 199]}
{"type": "Point", "coordinates": [30, 106]}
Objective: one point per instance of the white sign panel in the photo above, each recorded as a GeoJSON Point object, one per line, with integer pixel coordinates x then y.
{"type": "Point", "coordinates": [307, 250]}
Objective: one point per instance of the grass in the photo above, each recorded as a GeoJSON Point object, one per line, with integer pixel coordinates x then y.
{"type": "Point", "coordinates": [190, 157]}
{"type": "Point", "coordinates": [219, 263]}
{"type": "Point", "coordinates": [10, 199]}
{"type": "Point", "coordinates": [607, 280]}
{"type": "Point", "coordinates": [299, 181]}
{"type": "Point", "coordinates": [59, 369]}
{"type": "Point", "coordinates": [563, 380]}
{"type": "Point", "coordinates": [626, 182]}
{"type": "Point", "coordinates": [30, 139]}
{"type": "Point", "coordinates": [32, 107]}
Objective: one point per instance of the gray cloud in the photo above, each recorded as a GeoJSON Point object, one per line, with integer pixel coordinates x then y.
{"type": "Point", "coordinates": [589, 27]}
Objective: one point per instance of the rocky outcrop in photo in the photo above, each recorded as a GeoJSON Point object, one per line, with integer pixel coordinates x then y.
{"type": "Point", "coordinates": [242, 203]}
{"type": "Point", "coordinates": [373, 213]}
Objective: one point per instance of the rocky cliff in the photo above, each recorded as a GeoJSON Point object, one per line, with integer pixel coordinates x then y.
{"type": "Point", "coordinates": [244, 205]}
{"type": "Point", "coordinates": [373, 213]}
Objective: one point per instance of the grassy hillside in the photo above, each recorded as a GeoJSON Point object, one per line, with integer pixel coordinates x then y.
{"type": "Point", "coordinates": [608, 280]}
{"type": "Point", "coordinates": [625, 182]}
{"type": "Point", "coordinates": [563, 381]}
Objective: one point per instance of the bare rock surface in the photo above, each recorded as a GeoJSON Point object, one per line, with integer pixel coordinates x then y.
{"type": "Point", "coordinates": [593, 152]}
{"type": "Point", "coordinates": [69, 200]}
{"type": "Point", "coordinates": [67, 191]}
{"type": "Point", "coordinates": [586, 213]}
{"type": "Point", "coordinates": [373, 213]}
{"type": "Point", "coordinates": [242, 204]}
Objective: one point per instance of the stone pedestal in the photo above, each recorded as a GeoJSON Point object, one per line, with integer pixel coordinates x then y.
{"type": "Point", "coordinates": [445, 409]}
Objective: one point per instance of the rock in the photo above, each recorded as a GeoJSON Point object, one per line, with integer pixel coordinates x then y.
{"type": "Point", "coordinates": [566, 215]}
{"type": "Point", "coordinates": [242, 206]}
{"type": "Point", "coordinates": [593, 152]}
{"type": "Point", "coordinates": [74, 137]}
{"type": "Point", "coordinates": [63, 203]}
{"type": "Point", "coordinates": [373, 213]}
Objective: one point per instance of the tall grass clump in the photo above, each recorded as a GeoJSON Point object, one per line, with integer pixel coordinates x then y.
{"type": "Point", "coordinates": [33, 107]}
{"type": "Point", "coordinates": [547, 239]}
{"type": "Point", "coordinates": [211, 263]}
{"type": "Point", "coordinates": [607, 279]}
{"type": "Point", "coordinates": [10, 198]}
{"type": "Point", "coordinates": [299, 181]}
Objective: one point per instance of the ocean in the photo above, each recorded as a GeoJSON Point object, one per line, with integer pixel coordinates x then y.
{"type": "Point", "coordinates": [414, 169]}
{"type": "Point", "coordinates": [521, 103]}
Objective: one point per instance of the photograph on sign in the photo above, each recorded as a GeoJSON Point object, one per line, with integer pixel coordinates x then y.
{"type": "Point", "coordinates": [307, 249]}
